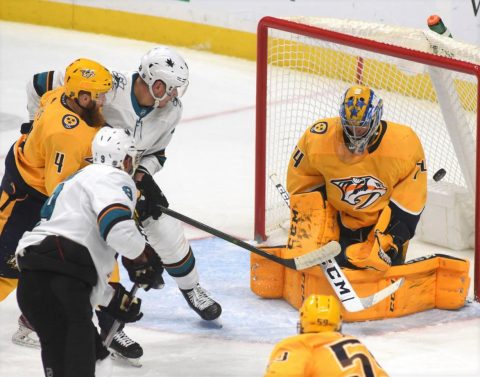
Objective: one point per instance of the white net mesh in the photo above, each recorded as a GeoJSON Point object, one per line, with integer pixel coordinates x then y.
{"type": "Point", "coordinates": [306, 78]}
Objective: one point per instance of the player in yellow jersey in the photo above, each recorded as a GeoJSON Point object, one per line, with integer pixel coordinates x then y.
{"type": "Point", "coordinates": [321, 349]}
{"type": "Point", "coordinates": [57, 145]}
{"type": "Point", "coordinates": [371, 174]}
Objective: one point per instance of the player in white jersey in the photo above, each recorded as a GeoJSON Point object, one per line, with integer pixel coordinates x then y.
{"type": "Point", "coordinates": [147, 103]}
{"type": "Point", "coordinates": [65, 262]}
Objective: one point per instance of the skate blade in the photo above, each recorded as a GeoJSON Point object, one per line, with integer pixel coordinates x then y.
{"type": "Point", "coordinates": [213, 324]}
{"type": "Point", "coordinates": [132, 362]}
{"type": "Point", "coordinates": [25, 341]}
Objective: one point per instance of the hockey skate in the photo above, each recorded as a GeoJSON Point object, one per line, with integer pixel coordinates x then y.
{"type": "Point", "coordinates": [124, 348]}
{"type": "Point", "coordinates": [25, 335]}
{"type": "Point", "coordinates": [199, 300]}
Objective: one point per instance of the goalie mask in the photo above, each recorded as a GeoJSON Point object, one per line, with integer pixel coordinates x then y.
{"type": "Point", "coordinates": [164, 64]}
{"type": "Point", "coordinates": [320, 313]}
{"type": "Point", "coordinates": [115, 147]}
{"type": "Point", "coordinates": [360, 114]}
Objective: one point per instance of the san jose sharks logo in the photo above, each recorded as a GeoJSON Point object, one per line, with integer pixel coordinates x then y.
{"type": "Point", "coordinates": [119, 80]}
{"type": "Point", "coordinates": [360, 192]}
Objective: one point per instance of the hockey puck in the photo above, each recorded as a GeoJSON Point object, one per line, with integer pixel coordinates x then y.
{"type": "Point", "coordinates": [439, 175]}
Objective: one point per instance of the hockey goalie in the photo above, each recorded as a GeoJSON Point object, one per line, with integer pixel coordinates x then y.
{"type": "Point", "coordinates": [362, 181]}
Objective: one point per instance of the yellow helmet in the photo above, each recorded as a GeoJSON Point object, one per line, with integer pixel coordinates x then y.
{"type": "Point", "coordinates": [360, 114]}
{"type": "Point", "coordinates": [88, 76]}
{"type": "Point", "coordinates": [320, 313]}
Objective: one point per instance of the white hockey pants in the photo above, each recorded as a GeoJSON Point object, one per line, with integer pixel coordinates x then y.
{"type": "Point", "coordinates": [167, 238]}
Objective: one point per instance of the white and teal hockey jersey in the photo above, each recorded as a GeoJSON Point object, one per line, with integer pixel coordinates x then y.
{"type": "Point", "coordinates": [94, 208]}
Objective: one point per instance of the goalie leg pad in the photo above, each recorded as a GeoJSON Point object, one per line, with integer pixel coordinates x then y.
{"type": "Point", "coordinates": [313, 223]}
{"type": "Point", "coordinates": [267, 276]}
{"type": "Point", "coordinates": [452, 283]}
{"type": "Point", "coordinates": [437, 281]}
{"type": "Point", "coordinates": [294, 287]}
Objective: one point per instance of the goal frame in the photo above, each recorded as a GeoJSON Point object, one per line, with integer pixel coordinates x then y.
{"type": "Point", "coordinates": [267, 23]}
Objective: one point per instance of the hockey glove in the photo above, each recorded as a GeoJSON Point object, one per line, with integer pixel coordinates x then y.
{"type": "Point", "coordinates": [379, 256]}
{"type": "Point", "coordinates": [146, 270]}
{"type": "Point", "coordinates": [386, 245]}
{"type": "Point", "coordinates": [122, 307]}
{"type": "Point", "coordinates": [400, 234]}
{"type": "Point", "coordinates": [153, 197]}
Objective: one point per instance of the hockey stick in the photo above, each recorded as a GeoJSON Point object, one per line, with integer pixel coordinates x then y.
{"type": "Point", "coordinates": [116, 324]}
{"type": "Point", "coordinates": [310, 259]}
{"type": "Point", "coordinates": [337, 279]}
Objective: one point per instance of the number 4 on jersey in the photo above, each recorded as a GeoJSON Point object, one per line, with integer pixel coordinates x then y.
{"type": "Point", "coordinates": [59, 159]}
{"type": "Point", "coordinates": [297, 157]}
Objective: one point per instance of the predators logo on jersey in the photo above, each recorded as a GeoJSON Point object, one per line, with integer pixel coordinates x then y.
{"type": "Point", "coordinates": [360, 192]}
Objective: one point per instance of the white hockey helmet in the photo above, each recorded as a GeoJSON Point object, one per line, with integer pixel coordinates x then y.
{"type": "Point", "coordinates": [165, 64]}
{"type": "Point", "coordinates": [111, 146]}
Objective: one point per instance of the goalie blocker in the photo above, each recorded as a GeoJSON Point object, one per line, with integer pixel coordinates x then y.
{"type": "Point", "coordinates": [436, 281]}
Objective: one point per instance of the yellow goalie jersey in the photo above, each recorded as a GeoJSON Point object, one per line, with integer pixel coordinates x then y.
{"type": "Point", "coordinates": [325, 354]}
{"type": "Point", "coordinates": [58, 145]}
{"type": "Point", "coordinates": [361, 186]}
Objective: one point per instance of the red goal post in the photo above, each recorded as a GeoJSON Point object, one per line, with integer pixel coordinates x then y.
{"type": "Point", "coordinates": [427, 81]}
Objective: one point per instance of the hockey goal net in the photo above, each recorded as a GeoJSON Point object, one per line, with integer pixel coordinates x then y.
{"type": "Point", "coordinates": [427, 81]}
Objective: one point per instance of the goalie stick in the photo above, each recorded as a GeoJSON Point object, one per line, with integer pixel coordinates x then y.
{"type": "Point", "coordinates": [337, 279]}
{"type": "Point", "coordinates": [328, 251]}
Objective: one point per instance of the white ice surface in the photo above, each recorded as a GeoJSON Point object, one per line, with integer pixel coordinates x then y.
{"type": "Point", "coordinates": [208, 176]}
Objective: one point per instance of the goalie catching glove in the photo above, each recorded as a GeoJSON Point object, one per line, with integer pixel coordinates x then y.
{"type": "Point", "coordinates": [152, 198]}
{"type": "Point", "coordinates": [390, 244]}
{"type": "Point", "coordinates": [123, 307]}
{"type": "Point", "coordinates": [146, 270]}
{"type": "Point", "coordinates": [383, 247]}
